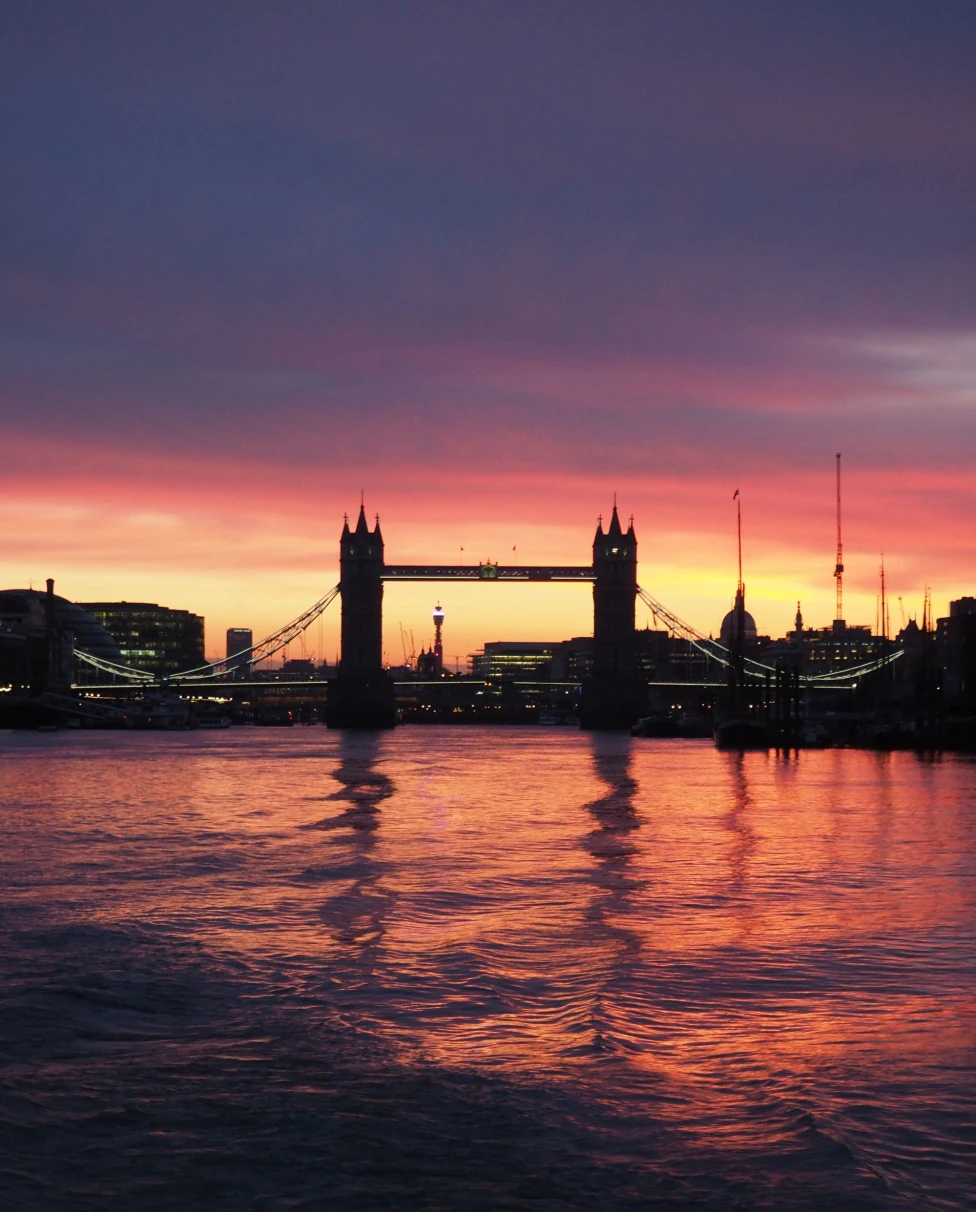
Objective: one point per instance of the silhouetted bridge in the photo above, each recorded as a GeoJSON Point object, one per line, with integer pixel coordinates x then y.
{"type": "Point", "coordinates": [614, 692]}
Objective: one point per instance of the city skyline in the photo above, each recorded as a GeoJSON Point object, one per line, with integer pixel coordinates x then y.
{"type": "Point", "coordinates": [535, 611]}
{"type": "Point", "coordinates": [488, 269]}
{"type": "Point", "coordinates": [314, 318]}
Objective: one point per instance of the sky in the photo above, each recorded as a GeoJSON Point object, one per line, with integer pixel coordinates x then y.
{"type": "Point", "coordinates": [487, 264]}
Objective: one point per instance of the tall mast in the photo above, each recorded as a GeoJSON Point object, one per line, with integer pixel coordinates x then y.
{"type": "Point", "coordinates": [737, 647]}
{"type": "Point", "coordinates": [839, 566]}
{"type": "Point", "coordinates": [884, 604]}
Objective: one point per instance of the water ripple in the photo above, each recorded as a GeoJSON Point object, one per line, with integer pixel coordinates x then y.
{"type": "Point", "coordinates": [483, 968]}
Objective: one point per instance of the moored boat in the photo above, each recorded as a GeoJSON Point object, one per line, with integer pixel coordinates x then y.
{"type": "Point", "coordinates": [742, 733]}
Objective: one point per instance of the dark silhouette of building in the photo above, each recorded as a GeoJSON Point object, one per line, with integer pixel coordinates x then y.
{"type": "Point", "coordinates": [154, 638]}
{"type": "Point", "coordinates": [614, 693]}
{"type": "Point", "coordinates": [428, 665]}
{"type": "Point", "coordinates": [361, 696]}
{"type": "Point", "coordinates": [299, 668]}
{"type": "Point", "coordinates": [239, 643]}
{"type": "Point", "coordinates": [361, 577]}
{"type": "Point", "coordinates": [726, 633]}
{"type": "Point", "coordinates": [38, 634]}
{"type": "Point", "coordinates": [956, 649]}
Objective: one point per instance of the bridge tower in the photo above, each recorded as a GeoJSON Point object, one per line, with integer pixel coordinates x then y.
{"type": "Point", "coordinates": [361, 695]}
{"type": "Point", "coordinates": [614, 694]}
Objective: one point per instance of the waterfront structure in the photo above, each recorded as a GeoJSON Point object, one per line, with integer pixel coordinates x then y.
{"type": "Point", "coordinates": [362, 694]}
{"type": "Point", "coordinates": [152, 638]}
{"type": "Point", "coordinates": [38, 634]}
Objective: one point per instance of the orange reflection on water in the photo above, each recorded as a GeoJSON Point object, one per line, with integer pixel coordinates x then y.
{"type": "Point", "coordinates": [539, 900]}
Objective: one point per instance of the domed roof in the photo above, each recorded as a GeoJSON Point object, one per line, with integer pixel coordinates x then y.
{"type": "Point", "coordinates": [26, 606]}
{"type": "Point", "coordinates": [728, 626]}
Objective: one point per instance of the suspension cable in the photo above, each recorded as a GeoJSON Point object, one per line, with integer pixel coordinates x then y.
{"type": "Point", "coordinates": [122, 671]}
{"type": "Point", "coordinates": [248, 656]}
{"type": "Point", "coordinates": [263, 649]}
{"type": "Point", "coordinates": [698, 641]}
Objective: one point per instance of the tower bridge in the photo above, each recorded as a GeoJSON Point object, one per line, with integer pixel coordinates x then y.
{"type": "Point", "coordinates": [614, 692]}
{"type": "Point", "coordinates": [361, 696]}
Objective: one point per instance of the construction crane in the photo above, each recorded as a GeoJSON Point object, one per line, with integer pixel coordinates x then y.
{"type": "Point", "coordinates": [839, 566]}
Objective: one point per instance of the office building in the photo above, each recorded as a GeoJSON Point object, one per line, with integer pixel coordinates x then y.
{"type": "Point", "coordinates": [523, 660]}
{"type": "Point", "coordinates": [956, 649]}
{"type": "Point", "coordinates": [154, 638]}
{"type": "Point", "coordinates": [239, 641]}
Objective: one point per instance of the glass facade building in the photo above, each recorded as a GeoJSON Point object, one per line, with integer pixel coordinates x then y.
{"type": "Point", "coordinates": [150, 637]}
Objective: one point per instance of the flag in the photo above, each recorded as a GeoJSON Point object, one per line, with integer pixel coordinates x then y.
{"type": "Point", "coordinates": [735, 494]}
{"type": "Point", "coordinates": [513, 547]}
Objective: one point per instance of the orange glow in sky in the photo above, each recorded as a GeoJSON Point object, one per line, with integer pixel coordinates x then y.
{"type": "Point", "coordinates": [240, 288]}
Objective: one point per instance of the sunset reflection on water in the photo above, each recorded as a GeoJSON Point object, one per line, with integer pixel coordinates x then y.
{"type": "Point", "coordinates": [730, 943]}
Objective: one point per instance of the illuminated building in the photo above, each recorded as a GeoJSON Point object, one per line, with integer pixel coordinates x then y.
{"type": "Point", "coordinates": [824, 649]}
{"type": "Point", "coordinates": [431, 664]}
{"type": "Point", "coordinates": [525, 660]}
{"type": "Point", "coordinates": [150, 637]}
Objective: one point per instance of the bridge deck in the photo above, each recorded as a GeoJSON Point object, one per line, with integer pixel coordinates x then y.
{"type": "Point", "coordinates": [485, 572]}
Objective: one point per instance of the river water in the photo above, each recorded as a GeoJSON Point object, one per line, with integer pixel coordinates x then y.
{"type": "Point", "coordinates": [483, 968]}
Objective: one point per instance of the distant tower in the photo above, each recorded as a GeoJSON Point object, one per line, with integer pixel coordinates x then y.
{"type": "Point", "coordinates": [239, 643]}
{"type": "Point", "coordinates": [799, 623]}
{"type": "Point", "coordinates": [438, 645]}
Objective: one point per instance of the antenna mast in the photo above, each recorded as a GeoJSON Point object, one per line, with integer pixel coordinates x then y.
{"type": "Point", "coordinates": [884, 604]}
{"type": "Point", "coordinates": [839, 566]}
